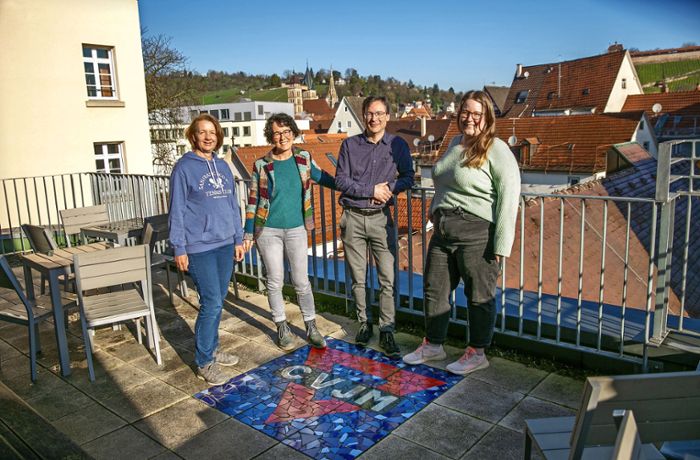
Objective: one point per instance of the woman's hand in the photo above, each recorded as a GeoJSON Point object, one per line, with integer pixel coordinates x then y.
{"type": "Point", "coordinates": [247, 245]}
{"type": "Point", "coordinates": [182, 262]}
{"type": "Point", "coordinates": [240, 252]}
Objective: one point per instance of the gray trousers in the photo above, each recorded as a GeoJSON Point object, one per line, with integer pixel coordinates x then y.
{"type": "Point", "coordinates": [274, 244]}
{"type": "Point", "coordinates": [375, 232]}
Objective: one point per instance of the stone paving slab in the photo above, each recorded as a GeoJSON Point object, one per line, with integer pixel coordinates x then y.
{"type": "Point", "coordinates": [136, 409]}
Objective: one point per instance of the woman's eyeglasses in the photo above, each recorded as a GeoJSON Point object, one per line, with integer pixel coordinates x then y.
{"type": "Point", "coordinates": [278, 134]}
{"type": "Point", "coordinates": [476, 116]}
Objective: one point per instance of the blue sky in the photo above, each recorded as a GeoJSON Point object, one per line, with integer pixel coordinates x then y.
{"type": "Point", "coordinates": [462, 44]}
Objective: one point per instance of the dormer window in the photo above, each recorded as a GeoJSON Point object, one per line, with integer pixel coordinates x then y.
{"type": "Point", "coordinates": [586, 91]}
{"type": "Point", "coordinates": [521, 96]}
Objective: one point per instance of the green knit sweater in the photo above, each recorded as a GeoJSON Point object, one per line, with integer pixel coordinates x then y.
{"type": "Point", "coordinates": [491, 192]}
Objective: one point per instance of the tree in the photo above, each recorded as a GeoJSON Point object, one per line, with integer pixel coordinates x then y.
{"type": "Point", "coordinates": [170, 87]}
{"type": "Point", "coordinates": [275, 81]}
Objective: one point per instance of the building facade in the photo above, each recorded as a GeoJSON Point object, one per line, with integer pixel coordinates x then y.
{"type": "Point", "coordinates": [89, 85]}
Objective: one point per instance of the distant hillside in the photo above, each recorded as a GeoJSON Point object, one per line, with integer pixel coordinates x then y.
{"type": "Point", "coordinates": [678, 75]}
{"type": "Point", "coordinates": [235, 94]}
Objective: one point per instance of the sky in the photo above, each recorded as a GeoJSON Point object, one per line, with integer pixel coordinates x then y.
{"type": "Point", "coordinates": [459, 44]}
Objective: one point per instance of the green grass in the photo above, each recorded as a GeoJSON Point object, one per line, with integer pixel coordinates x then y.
{"type": "Point", "coordinates": [650, 73]}
{"type": "Point", "coordinates": [234, 95]}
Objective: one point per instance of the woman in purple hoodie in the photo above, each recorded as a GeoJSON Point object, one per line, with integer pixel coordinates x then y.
{"type": "Point", "coordinates": [206, 234]}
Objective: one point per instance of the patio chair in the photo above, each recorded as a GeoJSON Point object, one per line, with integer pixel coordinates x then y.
{"type": "Point", "coordinates": [666, 407]}
{"type": "Point", "coordinates": [112, 267]}
{"type": "Point", "coordinates": [75, 219]}
{"type": "Point", "coordinates": [41, 242]}
{"type": "Point", "coordinates": [156, 234]}
{"type": "Point", "coordinates": [16, 308]}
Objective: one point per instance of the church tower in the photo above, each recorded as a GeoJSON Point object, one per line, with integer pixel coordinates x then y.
{"type": "Point", "coordinates": [332, 97]}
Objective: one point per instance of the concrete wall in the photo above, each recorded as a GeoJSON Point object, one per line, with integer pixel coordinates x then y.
{"type": "Point", "coordinates": [47, 125]}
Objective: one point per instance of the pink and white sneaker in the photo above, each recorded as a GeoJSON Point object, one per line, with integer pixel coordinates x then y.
{"type": "Point", "coordinates": [424, 353]}
{"type": "Point", "coordinates": [469, 362]}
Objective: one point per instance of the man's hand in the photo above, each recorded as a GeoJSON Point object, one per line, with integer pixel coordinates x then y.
{"type": "Point", "coordinates": [247, 245]}
{"type": "Point", "coordinates": [382, 194]}
{"type": "Point", "coordinates": [182, 262]}
{"type": "Point", "coordinates": [240, 252]}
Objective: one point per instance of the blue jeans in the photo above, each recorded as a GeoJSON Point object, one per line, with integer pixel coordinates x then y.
{"type": "Point", "coordinates": [211, 272]}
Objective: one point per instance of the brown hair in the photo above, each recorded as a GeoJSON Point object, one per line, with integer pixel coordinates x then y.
{"type": "Point", "coordinates": [191, 131]}
{"type": "Point", "coordinates": [475, 155]}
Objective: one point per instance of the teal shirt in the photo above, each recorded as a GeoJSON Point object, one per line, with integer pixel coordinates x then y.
{"type": "Point", "coordinates": [286, 203]}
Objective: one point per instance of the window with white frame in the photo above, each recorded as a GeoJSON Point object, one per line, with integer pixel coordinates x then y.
{"type": "Point", "coordinates": [109, 158]}
{"type": "Point", "coordinates": [225, 132]}
{"type": "Point", "coordinates": [260, 110]}
{"type": "Point", "coordinates": [246, 130]}
{"type": "Point", "coordinates": [225, 114]}
{"type": "Point", "coordinates": [349, 124]}
{"type": "Point", "coordinates": [98, 64]}
{"type": "Point", "coordinates": [236, 132]}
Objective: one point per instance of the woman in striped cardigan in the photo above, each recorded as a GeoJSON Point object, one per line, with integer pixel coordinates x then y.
{"type": "Point", "coordinates": [278, 215]}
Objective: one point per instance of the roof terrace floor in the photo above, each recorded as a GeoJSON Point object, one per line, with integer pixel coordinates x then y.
{"type": "Point", "coordinates": [136, 409]}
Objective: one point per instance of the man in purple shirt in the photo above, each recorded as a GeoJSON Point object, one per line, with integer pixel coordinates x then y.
{"type": "Point", "coordinates": [372, 168]}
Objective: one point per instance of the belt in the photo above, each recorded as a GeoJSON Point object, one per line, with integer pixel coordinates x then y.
{"type": "Point", "coordinates": [365, 211]}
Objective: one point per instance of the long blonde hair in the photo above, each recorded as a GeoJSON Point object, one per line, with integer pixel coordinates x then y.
{"type": "Point", "coordinates": [475, 154]}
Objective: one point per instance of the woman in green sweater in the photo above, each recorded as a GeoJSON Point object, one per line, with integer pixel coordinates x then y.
{"type": "Point", "coordinates": [278, 215]}
{"type": "Point", "coordinates": [477, 190]}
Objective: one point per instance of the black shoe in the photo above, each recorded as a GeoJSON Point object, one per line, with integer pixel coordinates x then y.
{"type": "Point", "coordinates": [313, 336]}
{"type": "Point", "coordinates": [364, 334]}
{"type": "Point", "coordinates": [386, 342]}
{"type": "Point", "coordinates": [284, 336]}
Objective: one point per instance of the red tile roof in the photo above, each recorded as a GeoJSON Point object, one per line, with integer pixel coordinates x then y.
{"type": "Point", "coordinates": [570, 143]}
{"type": "Point", "coordinates": [638, 182]}
{"type": "Point", "coordinates": [562, 85]}
{"type": "Point", "coordinates": [317, 107]}
{"type": "Point", "coordinates": [679, 103]}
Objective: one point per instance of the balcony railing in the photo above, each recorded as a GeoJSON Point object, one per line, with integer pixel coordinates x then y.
{"type": "Point", "coordinates": [590, 272]}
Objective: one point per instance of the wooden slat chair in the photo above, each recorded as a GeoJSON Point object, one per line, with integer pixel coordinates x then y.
{"type": "Point", "coordinates": [75, 219]}
{"type": "Point", "coordinates": [666, 408]}
{"type": "Point", "coordinates": [158, 238]}
{"type": "Point", "coordinates": [628, 445]}
{"type": "Point", "coordinates": [16, 308]}
{"type": "Point", "coordinates": [41, 242]}
{"type": "Point", "coordinates": [112, 267]}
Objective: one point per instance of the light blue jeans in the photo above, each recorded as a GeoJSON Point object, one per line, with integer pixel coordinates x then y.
{"type": "Point", "coordinates": [211, 272]}
{"type": "Point", "coordinates": [274, 245]}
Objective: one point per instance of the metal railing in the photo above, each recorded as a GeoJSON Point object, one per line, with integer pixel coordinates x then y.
{"type": "Point", "coordinates": [589, 272]}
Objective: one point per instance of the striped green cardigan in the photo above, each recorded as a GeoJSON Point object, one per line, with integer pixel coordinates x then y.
{"type": "Point", "coordinates": [262, 185]}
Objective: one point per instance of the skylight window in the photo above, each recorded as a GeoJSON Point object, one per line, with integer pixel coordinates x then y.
{"type": "Point", "coordinates": [521, 96]}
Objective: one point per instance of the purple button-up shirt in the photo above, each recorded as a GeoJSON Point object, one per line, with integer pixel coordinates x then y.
{"type": "Point", "coordinates": [362, 165]}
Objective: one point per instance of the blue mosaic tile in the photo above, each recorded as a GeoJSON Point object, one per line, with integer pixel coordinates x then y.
{"type": "Point", "coordinates": [329, 404]}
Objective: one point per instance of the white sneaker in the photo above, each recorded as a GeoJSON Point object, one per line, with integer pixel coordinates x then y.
{"type": "Point", "coordinates": [426, 352]}
{"type": "Point", "coordinates": [469, 362]}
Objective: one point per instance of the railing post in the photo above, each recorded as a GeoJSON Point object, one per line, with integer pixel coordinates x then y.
{"type": "Point", "coordinates": [663, 255]}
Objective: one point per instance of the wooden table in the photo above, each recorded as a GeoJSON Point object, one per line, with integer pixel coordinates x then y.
{"type": "Point", "coordinates": [53, 265]}
{"type": "Point", "coordinates": [118, 231]}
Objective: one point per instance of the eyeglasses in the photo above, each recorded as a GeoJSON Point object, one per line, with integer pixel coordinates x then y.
{"type": "Point", "coordinates": [278, 134]}
{"type": "Point", "coordinates": [476, 116]}
{"type": "Point", "coordinates": [370, 115]}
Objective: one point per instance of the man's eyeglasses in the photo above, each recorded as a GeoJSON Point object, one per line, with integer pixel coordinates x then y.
{"type": "Point", "coordinates": [476, 116]}
{"type": "Point", "coordinates": [278, 134]}
{"type": "Point", "coordinates": [371, 115]}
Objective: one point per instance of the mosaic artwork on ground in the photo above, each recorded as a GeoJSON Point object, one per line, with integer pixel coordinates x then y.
{"type": "Point", "coordinates": [332, 403]}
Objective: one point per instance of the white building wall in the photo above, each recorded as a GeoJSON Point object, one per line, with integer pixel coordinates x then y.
{"type": "Point", "coordinates": [618, 95]}
{"type": "Point", "coordinates": [42, 79]}
{"type": "Point", "coordinates": [344, 121]}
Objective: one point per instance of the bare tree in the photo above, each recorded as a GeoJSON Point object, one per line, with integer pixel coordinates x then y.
{"type": "Point", "coordinates": [170, 89]}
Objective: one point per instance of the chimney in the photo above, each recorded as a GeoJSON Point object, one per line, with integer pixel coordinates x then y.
{"type": "Point", "coordinates": [615, 47]}
{"type": "Point", "coordinates": [423, 127]}
{"type": "Point", "coordinates": [518, 70]}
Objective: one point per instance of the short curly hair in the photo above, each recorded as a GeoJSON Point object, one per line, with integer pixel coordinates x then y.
{"type": "Point", "coordinates": [281, 119]}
